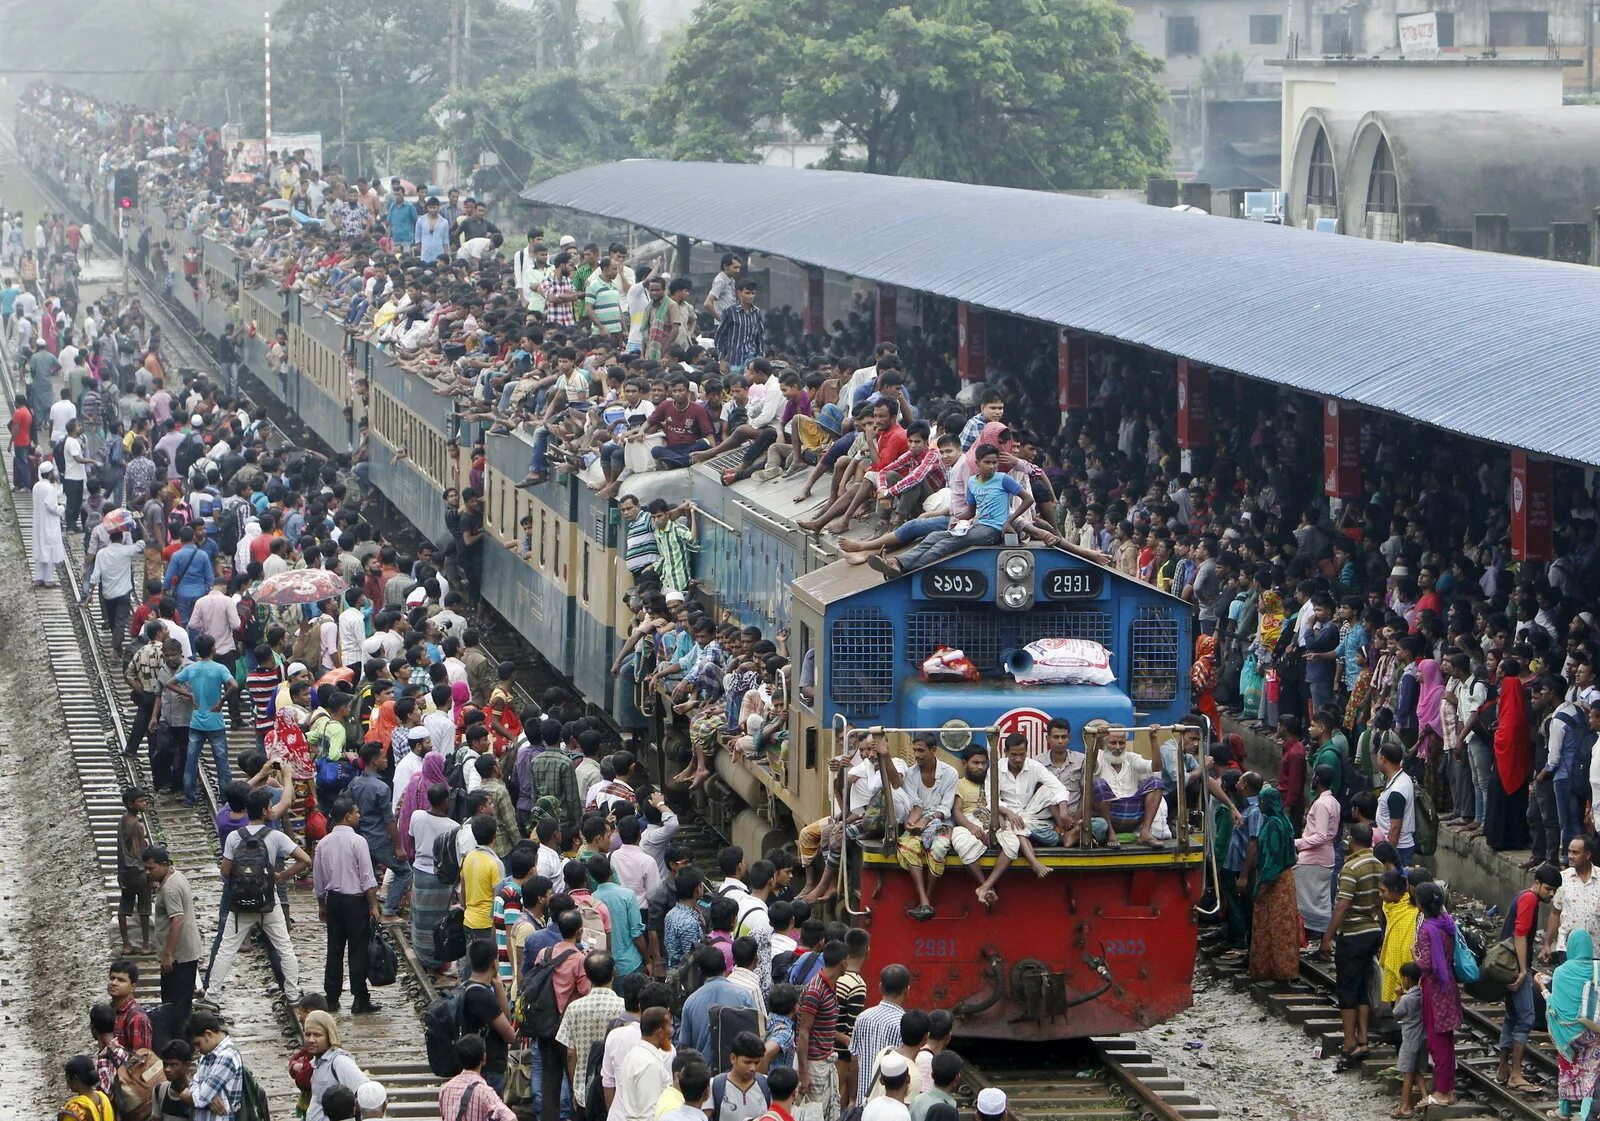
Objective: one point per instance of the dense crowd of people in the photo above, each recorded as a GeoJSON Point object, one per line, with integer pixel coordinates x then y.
{"type": "Point", "coordinates": [1412, 673]}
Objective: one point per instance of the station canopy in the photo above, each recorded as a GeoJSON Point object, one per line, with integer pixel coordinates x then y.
{"type": "Point", "coordinates": [1501, 348]}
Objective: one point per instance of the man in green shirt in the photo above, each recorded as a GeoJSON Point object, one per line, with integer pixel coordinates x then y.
{"type": "Point", "coordinates": [627, 924]}
{"type": "Point", "coordinates": [1353, 937]}
{"type": "Point", "coordinates": [947, 1069]}
{"type": "Point", "coordinates": [1331, 749]}
{"type": "Point", "coordinates": [604, 291]}
{"type": "Point", "coordinates": [580, 278]}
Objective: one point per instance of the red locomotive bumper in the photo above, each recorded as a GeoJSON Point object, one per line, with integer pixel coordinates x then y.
{"type": "Point", "coordinates": [1104, 944]}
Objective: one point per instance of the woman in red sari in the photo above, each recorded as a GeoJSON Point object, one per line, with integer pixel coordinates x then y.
{"type": "Point", "coordinates": [1505, 818]}
{"type": "Point", "coordinates": [1203, 677]}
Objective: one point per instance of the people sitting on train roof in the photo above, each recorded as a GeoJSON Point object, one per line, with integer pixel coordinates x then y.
{"type": "Point", "coordinates": [993, 515]}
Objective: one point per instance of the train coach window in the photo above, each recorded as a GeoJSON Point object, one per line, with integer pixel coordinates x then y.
{"type": "Point", "coordinates": [583, 592]}
{"type": "Point", "coordinates": [542, 553]}
{"type": "Point", "coordinates": [1154, 650]}
{"type": "Point", "coordinates": [806, 680]}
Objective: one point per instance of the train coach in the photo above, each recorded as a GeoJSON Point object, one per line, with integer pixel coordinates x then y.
{"type": "Point", "coordinates": [1104, 944]}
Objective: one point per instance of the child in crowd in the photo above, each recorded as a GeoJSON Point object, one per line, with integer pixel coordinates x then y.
{"type": "Point", "coordinates": [1413, 1040]}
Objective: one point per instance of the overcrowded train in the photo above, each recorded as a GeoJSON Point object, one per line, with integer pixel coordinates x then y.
{"type": "Point", "coordinates": [1104, 944]}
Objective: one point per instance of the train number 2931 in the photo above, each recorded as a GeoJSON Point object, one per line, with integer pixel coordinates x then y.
{"type": "Point", "coordinates": [934, 948]}
{"type": "Point", "coordinates": [1125, 948]}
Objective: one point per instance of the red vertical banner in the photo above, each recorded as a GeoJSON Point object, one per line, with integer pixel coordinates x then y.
{"type": "Point", "coordinates": [1531, 502]}
{"type": "Point", "coordinates": [888, 311]}
{"type": "Point", "coordinates": [1341, 450]}
{"type": "Point", "coordinates": [1194, 426]}
{"type": "Point", "coordinates": [1072, 371]}
{"type": "Point", "coordinates": [972, 342]}
{"type": "Point", "coordinates": [814, 311]}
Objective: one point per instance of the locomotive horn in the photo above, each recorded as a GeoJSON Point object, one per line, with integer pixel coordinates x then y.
{"type": "Point", "coordinates": [1019, 661]}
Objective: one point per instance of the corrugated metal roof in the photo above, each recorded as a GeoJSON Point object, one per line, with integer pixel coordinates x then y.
{"type": "Point", "coordinates": [1502, 348]}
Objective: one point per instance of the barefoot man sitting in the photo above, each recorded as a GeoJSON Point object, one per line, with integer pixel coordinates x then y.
{"type": "Point", "coordinates": [925, 840]}
{"type": "Point", "coordinates": [1126, 791]}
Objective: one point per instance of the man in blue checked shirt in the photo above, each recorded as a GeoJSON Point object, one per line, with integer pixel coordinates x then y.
{"type": "Point", "coordinates": [217, 1089]}
{"type": "Point", "coordinates": [741, 332]}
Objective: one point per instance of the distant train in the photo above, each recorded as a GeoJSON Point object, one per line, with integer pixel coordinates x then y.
{"type": "Point", "coordinates": [1104, 945]}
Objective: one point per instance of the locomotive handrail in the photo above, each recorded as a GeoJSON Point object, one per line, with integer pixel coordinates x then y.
{"type": "Point", "coordinates": [696, 509]}
{"type": "Point", "coordinates": [760, 517]}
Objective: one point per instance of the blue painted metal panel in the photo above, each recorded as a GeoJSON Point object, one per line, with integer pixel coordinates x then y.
{"type": "Point", "coordinates": [1418, 331]}
{"type": "Point", "coordinates": [413, 493]}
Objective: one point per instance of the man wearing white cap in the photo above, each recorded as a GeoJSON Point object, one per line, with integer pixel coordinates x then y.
{"type": "Point", "coordinates": [991, 1103]}
{"type": "Point", "coordinates": [894, 1077]}
{"type": "Point", "coordinates": [372, 1100]}
{"type": "Point", "coordinates": [49, 508]}
{"type": "Point", "coordinates": [419, 743]}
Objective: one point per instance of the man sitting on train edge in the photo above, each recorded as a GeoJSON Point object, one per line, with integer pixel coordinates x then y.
{"type": "Point", "coordinates": [925, 840]}
{"type": "Point", "coordinates": [868, 802]}
{"type": "Point", "coordinates": [1066, 763]}
{"type": "Point", "coordinates": [818, 835]}
{"type": "Point", "coordinates": [975, 830]}
{"type": "Point", "coordinates": [1127, 792]}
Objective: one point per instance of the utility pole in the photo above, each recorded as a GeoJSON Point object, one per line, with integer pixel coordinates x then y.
{"type": "Point", "coordinates": [1588, 47]}
{"type": "Point", "coordinates": [466, 44]}
{"type": "Point", "coordinates": [453, 47]}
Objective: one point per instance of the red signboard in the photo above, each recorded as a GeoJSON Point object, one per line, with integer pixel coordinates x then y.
{"type": "Point", "coordinates": [1341, 450]}
{"type": "Point", "coordinates": [1072, 371]}
{"type": "Point", "coordinates": [1031, 723]}
{"type": "Point", "coordinates": [888, 300]}
{"type": "Point", "coordinates": [1531, 502]}
{"type": "Point", "coordinates": [972, 342]}
{"type": "Point", "coordinates": [1194, 426]}
{"type": "Point", "coordinates": [814, 318]}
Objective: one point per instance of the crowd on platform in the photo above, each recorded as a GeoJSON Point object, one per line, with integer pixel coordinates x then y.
{"type": "Point", "coordinates": [1407, 666]}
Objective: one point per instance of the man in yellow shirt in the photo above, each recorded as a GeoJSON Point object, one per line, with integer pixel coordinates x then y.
{"type": "Point", "coordinates": [481, 871]}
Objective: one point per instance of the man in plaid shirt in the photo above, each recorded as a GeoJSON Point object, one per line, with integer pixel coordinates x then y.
{"type": "Point", "coordinates": [559, 293]}
{"type": "Point", "coordinates": [133, 1025]}
{"type": "Point", "coordinates": [907, 482]}
{"type": "Point", "coordinates": [217, 1089]}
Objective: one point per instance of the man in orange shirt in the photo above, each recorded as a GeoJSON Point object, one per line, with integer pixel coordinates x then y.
{"type": "Point", "coordinates": [21, 445]}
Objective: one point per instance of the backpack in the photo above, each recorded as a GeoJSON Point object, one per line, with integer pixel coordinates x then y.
{"type": "Point", "coordinates": [230, 523]}
{"type": "Point", "coordinates": [133, 1091]}
{"type": "Point", "coordinates": [383, 964]}
{"type": "Point", "coordinates": [1582, 736]}
{"type": "Point", "coordinates": [308, 642]}
{"type": "Point", "coordinates": [687, 977]}
{"type": "Point", "coordinates": [253, 1101]}
{"type": "Point", "coordinates": [251, 632]}
{"type": "Point", "coordinates": [251, 887]}
{"type": "Point", "coordinates": [541, 1018]}
{"type": "Point", "coordinates": [727, 1021]}
{"type": "Point", "coordinates": [1425, 834]}
{"type": "Point", "coordinates": [455, 777]}
{"type": "Point", "coordinates": [450, 935]}
{"type": "Point", "coordinates": [782, 964]}
{"type": "Point", "coordinates": [594, 927]}
{"type": "Point", "coordinates": [447, 858]}
{"type": "Point", "coordinates": [441, 1027]}
{"type": "Point", "coordinates": [805, 967]}
{"type": "Point", "coordinates": [719, 1089]}
{"type": "Point", "coordinates": [594, 1089]}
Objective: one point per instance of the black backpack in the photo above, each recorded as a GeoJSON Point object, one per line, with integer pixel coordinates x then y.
{"type": "Point", "coordinates": [594, 1091]}
{"type": "Point", "coordinates": [231, 517]}
{"type": "Point", "coordinates": [383, 964]}
{"type": "Point", "coordinates": [687, 977]}
{"type": "Point", "coordinates": [447, 858]}
{"type": "Point", "coordinates": [455, 776]}
{"type": "Point", "coordinates": [541, 1018]}
{"type": "Point", "coordinates": [441, 1027]}
{"type": "Point", "coordinates": [450, 935]}
{"type": "Point", "coordinates": [252, 887]}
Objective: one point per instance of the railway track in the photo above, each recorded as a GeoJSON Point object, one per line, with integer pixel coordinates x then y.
{"type": "Point", "coordinates": [1309, 1002]}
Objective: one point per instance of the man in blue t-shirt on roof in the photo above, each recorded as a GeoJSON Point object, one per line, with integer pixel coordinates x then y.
{"type": "Point", "coordinates": [989, 493]}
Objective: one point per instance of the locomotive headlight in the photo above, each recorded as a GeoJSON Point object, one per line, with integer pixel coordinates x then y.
{"type": "Point", "coordinates": [955, 735]}
{"type": "Point", "coordinates": [1014, 580]}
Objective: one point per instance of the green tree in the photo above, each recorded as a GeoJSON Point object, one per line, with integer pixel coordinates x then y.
{"type": "Point", "coordinates": [542, 124]}
{"type": "Point", "coordinates": [1028, 93]}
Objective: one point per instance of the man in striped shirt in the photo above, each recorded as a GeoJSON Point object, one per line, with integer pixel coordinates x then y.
{"type": "Point", "coordinates": [559, 293]}
{"type": "Point", "coordinates": [741, 332]}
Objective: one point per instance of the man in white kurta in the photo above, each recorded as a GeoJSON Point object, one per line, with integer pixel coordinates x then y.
{"type": "Point", "coordinates": [49, 509]}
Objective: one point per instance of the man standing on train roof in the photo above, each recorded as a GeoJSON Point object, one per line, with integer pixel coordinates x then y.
{"type": "Point", "coordinates": [1126, 791]}
{"type": "Point", "coordinates": [925, 840]}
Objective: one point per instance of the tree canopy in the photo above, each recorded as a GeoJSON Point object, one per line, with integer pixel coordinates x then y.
{"type": "Point", "coordinates": [1036, 93]}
